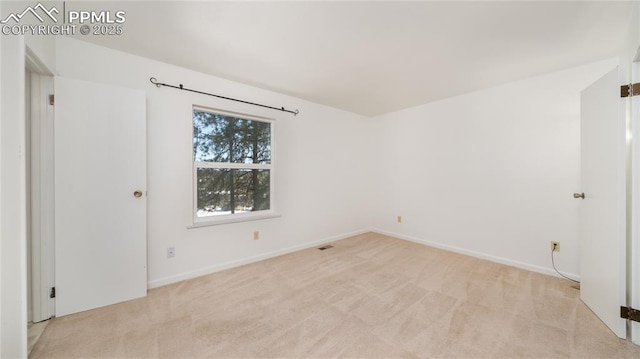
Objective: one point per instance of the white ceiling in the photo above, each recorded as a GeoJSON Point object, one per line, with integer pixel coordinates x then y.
{"type": "Point", "coordinates": [371, 57]}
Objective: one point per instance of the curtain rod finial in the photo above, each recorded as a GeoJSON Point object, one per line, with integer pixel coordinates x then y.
{"type": "Point", "coordinates": [154, 81]}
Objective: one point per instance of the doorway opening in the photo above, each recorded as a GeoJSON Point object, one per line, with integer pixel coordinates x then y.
{"type": "Point", "coordinates": [39, 196]}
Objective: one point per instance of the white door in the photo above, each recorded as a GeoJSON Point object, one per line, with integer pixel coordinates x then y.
{"type": "Point", "coordinates": [100, 225]}
{"type": "Point", "coordinates": [602, 217]}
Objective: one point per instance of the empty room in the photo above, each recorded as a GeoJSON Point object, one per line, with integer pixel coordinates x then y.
{"type": "Point", "coordinates": [319, 179]}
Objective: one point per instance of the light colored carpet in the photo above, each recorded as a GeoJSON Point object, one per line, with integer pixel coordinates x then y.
{"type": "Point", "coordinates": [370, 296]}
{"type": "Point", "coordinates": [34, 331]}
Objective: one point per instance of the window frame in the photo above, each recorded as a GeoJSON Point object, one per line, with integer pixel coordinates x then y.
{"type": "Point", "coordinates": [195, 165]}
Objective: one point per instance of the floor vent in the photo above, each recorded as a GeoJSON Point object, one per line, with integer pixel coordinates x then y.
{"type": "Point", "coordinates": [325, 247]}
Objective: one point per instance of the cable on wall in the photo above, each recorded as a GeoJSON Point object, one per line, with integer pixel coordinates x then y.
{"type": "Point", "coordinates": [154, 81]}
{"type": "Point", "coordinates": [557, 271]}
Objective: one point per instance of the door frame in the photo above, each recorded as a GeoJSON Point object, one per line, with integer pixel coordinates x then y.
{"type": "Point", "coordinates": [41, 207]}
{"type": "Point", "coordinates": [633, 206]}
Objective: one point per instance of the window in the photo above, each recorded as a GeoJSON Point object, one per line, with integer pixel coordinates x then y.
{"type": "Point", "coordinates": [233, 166]}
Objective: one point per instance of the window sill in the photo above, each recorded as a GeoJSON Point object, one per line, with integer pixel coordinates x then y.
{"type": "Point", "coordinates": [234, 219]}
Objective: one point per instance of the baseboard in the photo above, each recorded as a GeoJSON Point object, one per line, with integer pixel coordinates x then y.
{"type": "Point", "coordinates": [236, 263]}
{"type": "Point", "coordinates": [492, 258]}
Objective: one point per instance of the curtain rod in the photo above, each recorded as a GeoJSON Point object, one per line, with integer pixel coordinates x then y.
{"type": "Point", "coordinates": [154, 81]}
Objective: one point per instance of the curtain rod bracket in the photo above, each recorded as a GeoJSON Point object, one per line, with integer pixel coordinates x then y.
{"type": "Point", "coordinates": [155, 81]}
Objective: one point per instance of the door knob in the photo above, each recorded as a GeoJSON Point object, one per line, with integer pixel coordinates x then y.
{"type": "Point", "coordinates": [137, 194]}
{"type": "Point", "coordinates": [578, 195]}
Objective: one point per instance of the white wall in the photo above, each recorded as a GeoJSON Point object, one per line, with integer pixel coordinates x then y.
{"type": "Point", "coordinates": [13, 307]}
{"type": "Point", "coordinates": [1, 262]}
{"type": "Point", "coordinates": [2, 292]}
{"type": "Point", "coordinates": [490, 173]}
{"type": "Point", "coordinates": [320, 183]}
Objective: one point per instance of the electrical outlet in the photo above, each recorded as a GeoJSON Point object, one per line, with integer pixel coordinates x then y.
{"type": "Point", "coordinates": [399, 219]}
{"type": "Point", "coordinates": [555, 246]}
{"type": "Point", "coordinates": [171, 252]}
{"type": "Point", "coordinates": [256, 235]}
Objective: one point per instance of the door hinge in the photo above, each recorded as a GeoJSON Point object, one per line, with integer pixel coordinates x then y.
{"type": "Point", "coordinates": [52, 294]}
{"type": "Point", "coordinates": [630, 313]}
{"type": "Point", "coordinates": [52, 100]}
{"type": "Point", "coordinates": [630, 90]}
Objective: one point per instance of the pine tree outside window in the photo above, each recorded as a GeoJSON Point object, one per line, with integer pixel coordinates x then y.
{"type": "Point", "coordinates": [233, 166]}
